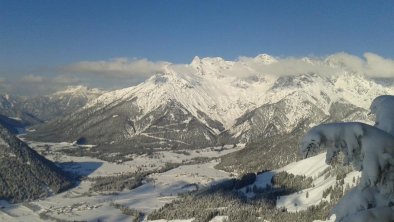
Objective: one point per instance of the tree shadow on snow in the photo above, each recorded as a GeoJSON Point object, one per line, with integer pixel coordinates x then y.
{"type": "Point", "coordinates": [249, 188]}
{"type": "Point", "coordinates": [80, 169]}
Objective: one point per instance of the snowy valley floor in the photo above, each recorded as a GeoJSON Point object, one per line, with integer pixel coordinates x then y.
{"type": "Point", "coordinates": [82, 204]}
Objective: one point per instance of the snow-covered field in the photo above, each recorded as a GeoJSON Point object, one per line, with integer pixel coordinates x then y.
{"type": "Point", "coordinates": [80, 203]}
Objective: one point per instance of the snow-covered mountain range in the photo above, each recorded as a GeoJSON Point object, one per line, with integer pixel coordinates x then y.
{"type": "Point", "coordinates": [212, 101]}
{"type": "Point", "coordinates": [19, 111]}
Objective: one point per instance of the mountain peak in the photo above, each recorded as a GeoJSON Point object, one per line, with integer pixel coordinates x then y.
{"type": "Point", "coordinates": [196, 61]}
{"type": "Point", "coordinates": [265, 58]}
{"type": "Point", "coordinates": [210, 65]}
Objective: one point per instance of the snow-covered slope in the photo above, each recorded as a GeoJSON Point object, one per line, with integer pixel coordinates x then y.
{"type": "Point", "coordinates": [202, 86]}
{"type": "Point", "coordinates": [314, 167]}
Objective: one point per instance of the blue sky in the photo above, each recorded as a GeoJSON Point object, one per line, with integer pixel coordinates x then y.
{"type": "Point", "coordinates": [37, 37]}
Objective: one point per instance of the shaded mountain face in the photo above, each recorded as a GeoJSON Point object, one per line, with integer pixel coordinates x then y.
{"type": "Point", "coordinates": [12, 113]}
{"type": "Point", "coordinates": [205, 104]}
{"type": "Point", "coordinates": [24, 174]}
{"type": "Point", "coordinates": [17, 112]}
{"type": "Point", "coordinates": [60, 103]}
{"type": "Point", "coordinates": [124, 125]}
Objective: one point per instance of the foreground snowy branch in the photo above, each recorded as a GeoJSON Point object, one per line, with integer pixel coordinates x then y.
{"type": "Point", "coordinates": [382, 107]}
{"type": "Point", "coordinates": [369, 149]}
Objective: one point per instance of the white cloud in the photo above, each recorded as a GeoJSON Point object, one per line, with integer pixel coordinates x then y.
{"type": "Point", "coordinates": [377, 66]}
{"type": "Point", "coordinates": [137, 70]}
{"type": "Point", "coordinates": [245, 67]}
{"type": "Point", "coordinates": [3, 85]}
{"type": "Point", "coordinates": [124, 72]}
{"type": "Point", "coordinates": [118, 67]}
{"type": "Point", "coordinates": [32, 79]}
{"type": "Point", "coordinates": [372, 65]}
{"type": "Point", "coordinates": [282, 67]}
{"type": "Point", "coordinates": [65, 80]}
{"type": "Point", "coordinates": [37, 85]}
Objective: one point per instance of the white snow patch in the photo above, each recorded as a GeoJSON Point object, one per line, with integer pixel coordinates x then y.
{"type": "Point", "coordinates": [188, 220]}
{"type": "Point", "coordinates": [206, 136]}
{"type": "Point", "coordinates": [3, 143]}
{"type": "Point", "coordinates": [15, 118]}
{"type": "Point", "coordinates": [219, 219]}
{"type": "Point", "coordinates": [187, 120]}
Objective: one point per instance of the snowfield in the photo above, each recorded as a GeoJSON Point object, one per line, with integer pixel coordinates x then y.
{"type": "Point", "coordinates": [79, 203]}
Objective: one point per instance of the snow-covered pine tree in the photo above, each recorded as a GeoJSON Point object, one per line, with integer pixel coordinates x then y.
{"type": "Point", "coordinates": [369, 149]}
